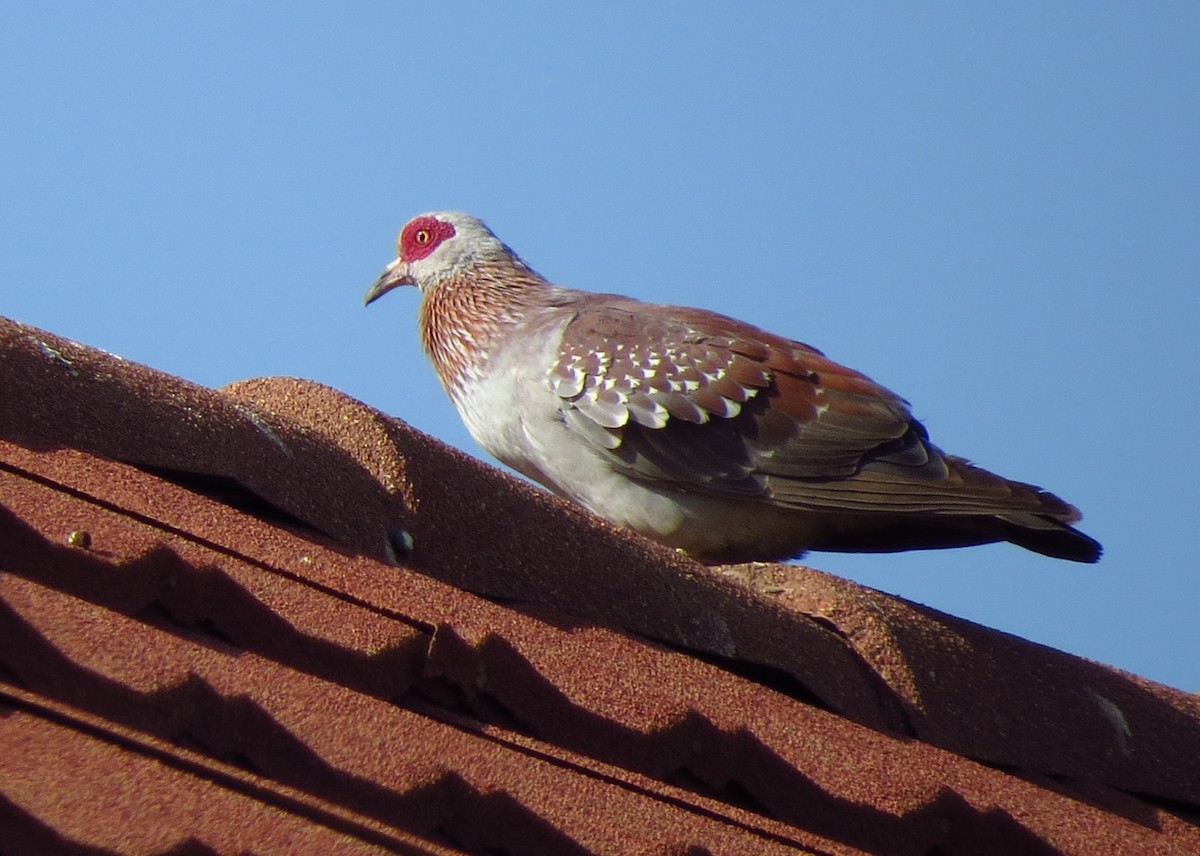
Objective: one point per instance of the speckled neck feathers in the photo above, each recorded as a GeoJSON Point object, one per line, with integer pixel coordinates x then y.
{"type": "Point", "coordinates": [465, 317]}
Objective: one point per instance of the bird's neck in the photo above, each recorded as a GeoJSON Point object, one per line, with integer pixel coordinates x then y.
{"type": "Point", "coordinates": [468, 316]}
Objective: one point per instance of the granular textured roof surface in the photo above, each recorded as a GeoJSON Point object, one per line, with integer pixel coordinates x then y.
{"type": "Point", "coordinates": [269, 619]}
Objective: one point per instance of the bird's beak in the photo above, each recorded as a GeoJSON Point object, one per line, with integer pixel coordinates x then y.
{"type": "Point", "coordinates": [394, 275]}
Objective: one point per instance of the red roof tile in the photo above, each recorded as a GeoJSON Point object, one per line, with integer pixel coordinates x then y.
{"type": "Point", "coordinates": [214, 635]}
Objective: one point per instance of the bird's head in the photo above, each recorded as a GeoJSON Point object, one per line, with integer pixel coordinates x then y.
{"type": "Point", "coordinates": [436, 246]}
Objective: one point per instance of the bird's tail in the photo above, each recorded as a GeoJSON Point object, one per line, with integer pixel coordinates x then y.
{"type": "Point", "coordinates": [1050, 537]}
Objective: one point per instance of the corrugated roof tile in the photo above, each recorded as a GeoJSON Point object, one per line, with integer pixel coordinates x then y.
{"type": "Point", "coordinates": [200, 591]}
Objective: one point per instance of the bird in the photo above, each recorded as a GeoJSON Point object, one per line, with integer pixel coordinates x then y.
{"type": "Point", "coordinates": [699, 431]}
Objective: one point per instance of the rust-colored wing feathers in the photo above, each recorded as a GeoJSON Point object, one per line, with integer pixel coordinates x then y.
{"type": "Point", "coordinates": [737, 399]}
{"type": "Point", "coordinates": [695, 399]}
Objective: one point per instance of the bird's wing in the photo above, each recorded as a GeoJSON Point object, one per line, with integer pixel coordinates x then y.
{"type": "Point", "coordinates": [706, 403]}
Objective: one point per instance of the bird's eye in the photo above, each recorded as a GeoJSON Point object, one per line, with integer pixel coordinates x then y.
{"type": "Point", "coordinates": [421, 237]}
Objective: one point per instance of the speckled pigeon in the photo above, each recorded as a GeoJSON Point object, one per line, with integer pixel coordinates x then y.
{"type": "Point", "coordinates": [700, 431]}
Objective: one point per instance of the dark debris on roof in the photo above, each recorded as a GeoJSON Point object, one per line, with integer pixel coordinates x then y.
{"type": "Point", "coordinates": [269, 619]}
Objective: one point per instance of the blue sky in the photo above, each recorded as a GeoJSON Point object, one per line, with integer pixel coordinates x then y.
{"type": "Point", "coordinates": [993, 209]}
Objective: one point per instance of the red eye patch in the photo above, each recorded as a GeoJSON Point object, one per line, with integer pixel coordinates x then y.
{"type": "Point", "coordinates": [422, 236]}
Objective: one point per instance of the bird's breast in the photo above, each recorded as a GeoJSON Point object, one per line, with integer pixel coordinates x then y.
{"type": "Point", "coordinates": [502, 398]}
